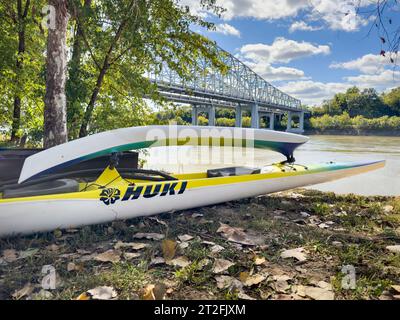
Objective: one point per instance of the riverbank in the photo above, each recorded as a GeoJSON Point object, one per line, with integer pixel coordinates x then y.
{"type": "Point", "coordinates": [352, 132]}
{"type": "Point", "coordinates": [289, 245]}
{"type": "Point", "coordinates": [343, 124]}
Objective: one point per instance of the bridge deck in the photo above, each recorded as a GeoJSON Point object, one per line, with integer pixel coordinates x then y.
{"type": "Point", "coordinates": [237, 88]}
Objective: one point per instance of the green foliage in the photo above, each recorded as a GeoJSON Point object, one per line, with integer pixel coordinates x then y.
{"type": "Point", "coordinates": [125, 39]}
{"type": "Point", "coordinates": [358, 123]}
{"type": "Point", "coordinates": [392, 100]}
{"type": "Point", "coordinates": [118, 113]}
{"type": "Point", "coordinates": [24, 79]}
{"type": "Point", "coordinates": [117, 44]}
{"type": "Point", "coordinates": [366, 103]}
{"type": "Point", "coordinates": [202, 121]}
{"type": "Point", "coordinates": [173, 114]}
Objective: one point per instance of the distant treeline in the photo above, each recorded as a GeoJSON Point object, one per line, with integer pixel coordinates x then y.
{"type": "Point", "coordinates": [344, 124]}
{"type": "Point", "coordinates": [357, 112]}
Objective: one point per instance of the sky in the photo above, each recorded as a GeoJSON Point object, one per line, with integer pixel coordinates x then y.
{"type": "Point", "coordinates": [310, 49]}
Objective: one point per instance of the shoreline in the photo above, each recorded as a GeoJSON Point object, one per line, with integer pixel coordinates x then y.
{"type": "Point", "coordinates": [353, 132]}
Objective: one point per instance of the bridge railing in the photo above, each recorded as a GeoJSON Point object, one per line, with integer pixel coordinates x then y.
{"type": "Point", "coordinates": [239, 82]}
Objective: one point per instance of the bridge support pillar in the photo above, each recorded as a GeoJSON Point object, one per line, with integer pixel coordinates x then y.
{"type": "Point", "coordinates": [300, 128]}
{"type": "Point", "coordinates": [211, 116]}
{"type": "Point", "coordinates": [289, 121]}
{"type": "Point", "coordinates": [255, 120]}
{"type": "Point", "coordinates": [270, 116]}
{"type": "Point", "coordinates": [271, 121]}
{"type": "Point", "coordinates": [195, 115]}
{"type": "Point", "coordinates": [238, 116]}
{"type": "Point", "coordinates": [301, 124]}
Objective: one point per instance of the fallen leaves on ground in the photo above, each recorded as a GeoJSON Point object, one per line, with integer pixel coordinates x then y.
{"type": "Point", "coordinates": [131, 255]}
{"type": "Point", "coordinates": [157, 261]}
{"type": "Point", "coordinates": [281, 286]}
{"type": "Point", "coordinates": [11, 255]}
{"type": "Point", "coordinates": [394, 249]}
{"type": "Point", "coordinates": [318, 293]}
{"type": "Point", "coordinates": [202, 263]}
{"type": "Point", "coordinates": [149, 236]}
{"type": "Point", "coordinates": [53, 247]}
{"type": "Point", "coordinates": [396, 288]}
{"type": "Point", "coordinates": [83, 296]}
{"type": "Point", "coordinates": [233, 285]}
{"type": "Point", "coordinates": [216, 248]}
{"type": "Point", "coordinates": [154, 292]}
{"type": "Point", "coordinates": [185, 237]}
{"type": "Point", "coordinates": [179, 262]}
{"type": "Point", "coordinates": [183, 245]}
{"type": "Point", "coordinates": [259, 260]}
{"type": "Point", "coordinates": [243, 296]}
{"type": "Point", "coordinates": [130, 245]}
{"type": "Point", "coordinates": [109, 256]}
{"type": "Point", "coordinates": [235, 235]}
{"type": "Point", "coordinates": [251, 280]}
{"type": "Point", "coordinates": [221, 265]}
{"type": "Point", "coordinates": [388, 208]}
{"type": "Point", "coordinates": [102, 293]}
{"type": "Point", "coordinates": [297, 253]}
{"type": "Point", "coordinates": [321, 291]}
{"type": "Point", "coordinates": [281, 277]}
{"type": "Point", "coordinates": [169, 249]}
{"type": "Point", "coordinates": [71, 266]}
{"type": "Point", "coordinates": [158, 221]}
{"type": "Point", "coordinates": [25, 291]}
{"type": "Point", "coordinates": [224, 282]}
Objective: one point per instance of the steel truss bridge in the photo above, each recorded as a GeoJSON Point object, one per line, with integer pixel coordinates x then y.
{"type": "Point", "coordinates": [239, 88]}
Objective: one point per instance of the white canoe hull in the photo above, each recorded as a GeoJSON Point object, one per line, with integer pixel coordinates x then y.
{"type": "Point", "coordinates": [45, 215]}
{"type": "Point", "coordinates": [135, 138]}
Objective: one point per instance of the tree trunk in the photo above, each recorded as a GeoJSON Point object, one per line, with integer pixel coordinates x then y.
{"type": "Point", "coordinates": [106, 65]}
{"type": "Point", "coordinates": [55, 115]}
{"type": "Point", "coordinates": [21, 14]}
{"type": "Point", "coordinates": [16, 119]}
{"type": "Point", "coordinates": [89, 109]}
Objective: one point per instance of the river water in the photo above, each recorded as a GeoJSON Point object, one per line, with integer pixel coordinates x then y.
{"type": "Point", "coordinates": [320, 148]}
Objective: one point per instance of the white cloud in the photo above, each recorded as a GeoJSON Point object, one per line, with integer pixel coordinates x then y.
{"type": "Point", "coordinates": [339, 14]}
{"type": "Point", "coordinates": [282, 50]}
{"type": "Point", "coordinates": [227, 29]}
{"type": "Point", "coordinates": [260, 57]}
{"type": "Point", "coordinates": [313, 92]}
{"type": "Point", "coordinates": [302, 26]}
{"type": "Point", "coordinates": [271, 73]}
{"type": "Point", "coordinates": [369, 63]}
{"type": "Point", "coordinates": [336, 14]}
{"type": "Point", "coordinates": [382, 80]}
{"type": "Point", "coordinates": [261, 9]}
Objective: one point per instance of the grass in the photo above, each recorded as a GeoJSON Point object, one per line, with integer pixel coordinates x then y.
{"type": "Point", "coordinates": [359, 229]}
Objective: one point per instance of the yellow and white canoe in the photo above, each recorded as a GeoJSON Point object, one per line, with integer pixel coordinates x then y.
{"type": "Point", "coordinates": [113, 197]}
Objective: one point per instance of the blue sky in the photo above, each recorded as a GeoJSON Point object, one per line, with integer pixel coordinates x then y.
{"type": "Point", "coordinates": [311, 49]}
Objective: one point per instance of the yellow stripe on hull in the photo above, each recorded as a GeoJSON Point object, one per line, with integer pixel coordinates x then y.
{"type": "Point", "coordinates": [123, 199]}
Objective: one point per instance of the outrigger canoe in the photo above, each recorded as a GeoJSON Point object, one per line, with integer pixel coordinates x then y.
{"type": "Point", "coordinates": [113, 196]}
{"type": "Point", "coordinates": [48, 202]}
{"type": "Point", "coordinates": [135, 138]}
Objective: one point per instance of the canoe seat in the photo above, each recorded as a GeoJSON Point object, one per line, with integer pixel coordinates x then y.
{"type": "Point", "coordinates": [40, 189]}
{"type": "Point", "coordinates": [231, 171]}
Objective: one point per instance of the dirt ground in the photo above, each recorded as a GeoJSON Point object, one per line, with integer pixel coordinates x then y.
{"type": "Point", "coordinates": [301, 244]}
